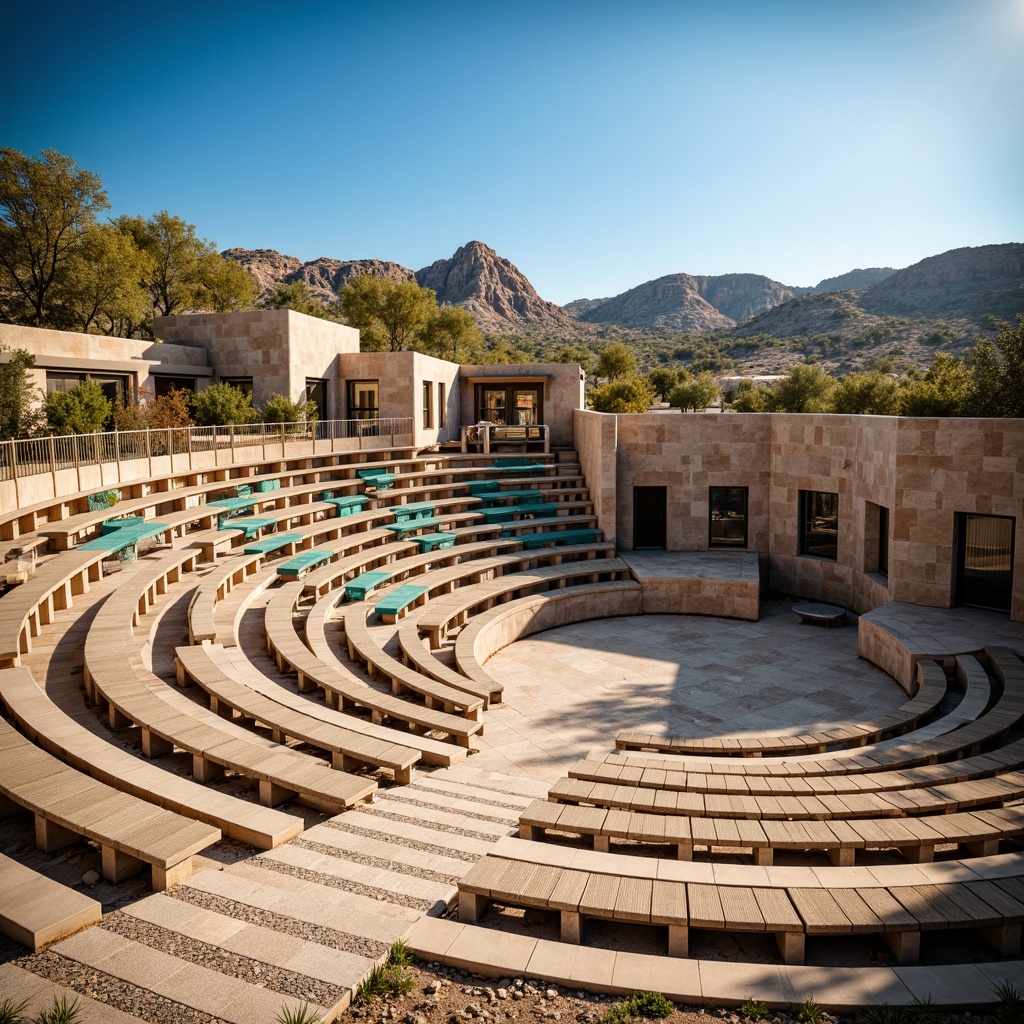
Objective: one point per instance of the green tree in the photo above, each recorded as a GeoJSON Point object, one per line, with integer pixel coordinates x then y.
{"type": "Point", "coordinates": [805, 388]}
{"type": "Point", "coordinates": [633, 393]}
{"type": "Point", "coordinates": [616, 361]}
{"type": "Point", "coordinates": [664, 381]}
{"type": "Point", "coordinates": [281, 409]}
{"type": "Point", "coordinates": [752, 398]}
{"type": "Point", "coordinates": [225, 286]}
{"type": "Point", "coordinates": [82, 410]}
{"type": "Point", "coordinates": [221, 405]}
{"type": "Point", "coordinates": [19, 397]}
{"type": "Point", "coordinates": [999, 372]}
{"type": "Point", "coordinates": [696, 394]}
{"type": "Point", "coordinates": [297, 296]}
{"type": "Point", "coordinates": [155, 412]}
{"type": "Point", "coordinates": [502, 350]}
{"type": "Point", "coordinates": [578, 353]}
{"type": "Point", "coordinates": [452, 333]}
{"type": "Point", "coordinates": [103, 288]}
{"type": "Point", "coordinates": [388, 314]}
{"type": "Point", "coordinates": [872, 393]}
{"type": "Point", "coordinates": [46, 205]}
{"type": "Point", "coordinates": [945, 390]}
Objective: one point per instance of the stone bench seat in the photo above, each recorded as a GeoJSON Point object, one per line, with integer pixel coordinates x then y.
{"type": "Point", "coordinates": [569, 536]}
{"type": "Point", "coordinates": [127, 537]}
{"type": "Point", "coordinates": [69, 805]}
{"type": "Point", "coordinates": [530, 495]}
{"type": "Point", "coordinates": [348, 505]}
{"type": "Point", "coordinates": [275, 542]}
{"type": "Point", "coordinates": [931, 688]}
{"type": "Point", "coordinates": [818, 611]}
{"type": "Point", "coordinates": [915, 838]}
{"type": "Point", "coordinates": [536, 510]}
{"type": "Point", "coordinates": [305, 561]}
{"type": "Point", "coordinates": [345, 691]}
{"type": "Point", "coordinates": [208, 666]}
{"type": "Point", "coordinates": [36, 910]}
{"type": "Point", "coordinates": [393, 604]}
{"type": "Point", "coordinates": [412, 510]}
{"type": "Point", "coordinates": [438, 541]}
{"type": "Point", "coordinates": [357, 588]}
{"type": "Point", "coordinates": [249, 526]}
{"type": "Point", "coordinates": [454, 610]}
{"type": "Point", "coordinates": [402, 529]}
{"type": "Point", "coordinates": [64, 737]}
{"type": "Point", "coordinates": [234, 571]}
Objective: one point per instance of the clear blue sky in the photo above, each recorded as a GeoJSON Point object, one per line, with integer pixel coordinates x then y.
{"type": "Point", "coordinates": [595, 144]}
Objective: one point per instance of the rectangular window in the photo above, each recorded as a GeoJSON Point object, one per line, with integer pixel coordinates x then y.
{"type": "Point", "coordinates": [56, 381]}
{"type": "Point", "coordinates": [883, 540]}
{"type": "Point", "coordinates": [428, 404]}
{"type": "Point", "coordinates": [510, 405]}
{"type": "Point", "coordinates": [983, 560]}
{"type": "Point", "coordinates": [727, 517]}
{"type": "Point", "coordinates": [244, 384]}
{"type": "Point", "coordinates": [442, 406]}
{"type": "Point", "coordinates": [819, 524]}
{"type": "Point", "coordinates": [165, 385]}
{"type": "Point", "coordinates": [364, 400]}
{"type": "Point", "coordinates": [316, 392]}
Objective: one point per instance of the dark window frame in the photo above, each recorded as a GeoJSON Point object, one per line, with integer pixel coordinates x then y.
{"type": "Point", "coordinates": [442, 405]}
{"type": "Point", "coordinates": [509, 389]}
{"type": "Point", "coordinates": [163, 384]}
{"type": "Point", "coordinates": [244, 384]}
{"type": "Point", "coordinates": [808, 515]}
{"type": "Point", "coordinates": [714, 542]}
{"type": "Point", "coordinates": [428, 405]}
{"type": "Point", "coordinates": [882, 568]}
{"type": "Point", "coordinates": [362, 412]}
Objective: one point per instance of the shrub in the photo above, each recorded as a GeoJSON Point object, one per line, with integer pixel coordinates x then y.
{"type": "Point", "coordinates": [809, 1012]}
{"type": "Point", "coordinates": [221, 405]}
{"type": "Point", "coordinates": [281, 409]}
{"type": "Point", "coordinates": [652, 1005]}
{"type": "Point", "coordinates": [753, 1009]}
{"type": "Point", "coordinates": [1010, 1005]}
{"type": "Point", "coordinates": [82, 410]}
{"type": "Point", "coordinates": [62, 1012]}
{"type": "Point", "coordinates": [883, 1014]}
{"type": "Point", "coordinates": [617, 1013]}
{"type": "Point", "coordinates": [302, 1014]}
{"type": "Point", "coordinates": [386, 979]}
{"type": "Point", "coordinates": [923, 1011]}
{"type": "Point", "coordinates": [12, 1012]}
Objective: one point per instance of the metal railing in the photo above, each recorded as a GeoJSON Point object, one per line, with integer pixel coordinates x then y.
{"type": "Point", "coordinates": [38, 455]}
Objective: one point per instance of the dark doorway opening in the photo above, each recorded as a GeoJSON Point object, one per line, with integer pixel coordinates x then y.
{"type": "Point", "coordinates": [984, 561]}
{"type": "Point", "coordinates": [649, 517]}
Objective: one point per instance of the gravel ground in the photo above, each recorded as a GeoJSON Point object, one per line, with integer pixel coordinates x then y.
{"type": "Point", "coordinates": [343, 826]}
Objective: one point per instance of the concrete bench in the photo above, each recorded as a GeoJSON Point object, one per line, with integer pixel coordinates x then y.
{"type": "Point", "coordinates": [68, 806]}
{"type": "Point", "coordinates": [393, 605]}
{"type": "Point", "coordinates": [214, 588]}
{"type": "Point", "coordinates": [127, 537]}
{"type": "Point", "coordinates": [110, 525]}
{"type": "Point", "coordinates": [505, 513]}
{"type": "Point", "coordinates": [931, 688]}
{"type": "Point", "coordinates": [518, 466]}
{"type": "Point", "coordinates": [402, 529]}
{"type": "Point", "coordinates": [209, 667]}
{"type": "Point", "coordinates": [817, 611]}
{"type": "Point", "coordinates": [346, 506]}
{"type": "Point", "coordinates": [298, 565]}
{"type": "Point", "coordinates": [571, 536]}
{"type": "Point", "coordinates": [412, 510]}
{"type": "Point", "coordinates": [379, 481]}
{"type": "Point", "coordinates": [266, 486]}
{"type": "Point", "coordinates": [64, 737]}
{"type": "Point", "coordinates": [496, 497]}
{"type": "Point", "coordinates": [36, 910]}
{"type": "Point", "coordinates": [356, 589]}
{"type": "Point", "coordinates": [230, 506]}
{"type": "Point", "coordinates": [343, 690]}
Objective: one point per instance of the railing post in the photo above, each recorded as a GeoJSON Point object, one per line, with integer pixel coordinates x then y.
{"type": "Point", "coordinates": [78, 464]}
{"type": "Point", "coordinates": [170, 449]}
{"type": "Point", "coordinates": [149, 451]}
{"type": "Point", "coordinates": [188, 434]}
{"type": "Point", "coordinates": [231, 438]}
{"type": "Point", "coordinates": [14, 472]}
{"type": "Point", "coordinates": [282, 440]}
{"type": "Point", "coordinates": [53, 462]}
{"type": "Point", "coordinates": [117, 453]}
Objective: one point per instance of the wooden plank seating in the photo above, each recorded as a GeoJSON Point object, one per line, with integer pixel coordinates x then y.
{"type": "Point", "coordinates": [569, 536]}
{"type": "Point", "coordinates": [214, 588]}
{"type": "Point", "coordinates": [405, 527]}
{"type": "Point", "coordinates": [435, 541]}
{"type": "Point", "coordinates": [914, 837]}
{"type": "Point", "coordinates": [517, 873]}
{"type": "Point", "coordinates": [530, 495]}
{"type": "Point", "coordinates": [305, 561]}
{"type": "Point", "coordinates": [127, 537]}
{"type": "Point", "coordinates": [69, 805]}
{"type": "Point", "coordinates": [249, 525]}
{"type": "Point", "coordinates": [24, 611]}
{"type": "Point", "coordinates": [347, 505]}
{"type": "Point", "coordinates": [275, 542]}
{"type": "Point", "coordinates": [229, 506]}
{"type": "Point", "coordinates": [168, 719]}
{"type": "Point", "coordinates": [344, 691]}
{"type": "Point", "coordinates": [40, 719]}
{"type": "Point", "coordinates": [36, 910]}
{"type": "Point", "coordinates": [208, 666]}
{"type": "Point", "coordinates": [357, 588]}
{"type": "Point", "coordinates": [395, 603]}
{"type": "Point", "coordinates": [931, 688]}
{"type": "Point", "coordinates": [534, 509]}
{"type": "Point", "coordinates": [403, 678]}
{"type": "Point", "coordinates": [376, 479]}
{"type": "Point", "coordinates": [447, 613]}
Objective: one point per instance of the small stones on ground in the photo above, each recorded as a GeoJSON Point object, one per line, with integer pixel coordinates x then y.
{"type": "Point", "coordinates": [433, 987]}
{"type": "Point", "coordinates": [551, 993]}
{"type": "Point", "coordinates": [517, 993]}
{"type": "Point", "coordinates": [502, 993]}
{"type": "Point", "coordinates": [91, 877]}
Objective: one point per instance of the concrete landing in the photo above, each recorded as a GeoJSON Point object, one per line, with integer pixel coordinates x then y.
{"type": "Point", "coordinates": [721, 583]}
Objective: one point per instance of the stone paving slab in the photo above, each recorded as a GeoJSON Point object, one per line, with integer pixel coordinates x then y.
{"type": "Point", "coordinates": [40, 993]}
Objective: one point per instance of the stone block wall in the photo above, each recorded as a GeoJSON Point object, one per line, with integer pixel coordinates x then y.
{"type": "Point", "coordinates": [594, 434]}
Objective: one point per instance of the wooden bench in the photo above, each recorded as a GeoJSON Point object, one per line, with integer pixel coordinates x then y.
{"type": "Point", "coordinates": [36, 910]}
{"type": "Point", "coordinates": [275, 542]}
{"type": "Point", "coordinates": [298, 565]}
{"type": "Point", "coordinates": [435, 541]}
{"type": "Point", "coordinates": [395, 603]}
{"type": "Point", "coordinates": [535, 509]}
{"type": "Point", "coordinates": [209, 667]}
{"type": "Point", "coordinates": [570, 536]}
{"type": "Point", "coordinates": [68, 806]}
{"type": "Point", "coordinates": [344, 691]}
{"type": "Point", "coordinates": [402, 529]}
{"type": "Point", "coordinates": [348, 505]}
{"type": "Point", "coordinates": [64, 737]}
{"type": "Point", "coordinates": [249, 526]}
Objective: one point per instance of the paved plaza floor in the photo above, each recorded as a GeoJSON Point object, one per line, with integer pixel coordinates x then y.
{"type": "Point", "coordinates": [569, 690]}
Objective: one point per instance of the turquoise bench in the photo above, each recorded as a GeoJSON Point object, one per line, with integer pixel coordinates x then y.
{"type": "Point", "coordinates": [392, 606]}
{"type": "Point", "coordinates": [124, 538]}
{"type": "Point", "coordinates": [529, 497]}
{"type": "Point", "coordinates": [376, 479]}
{"type": "Point", "coordinates": [413, 510]}
{"type": "Point", "coordinates": [273, 543]}
{"type": "Point", "coordinates": [119, 524]}
{"type": "Point", "coordinates": [401, 529]}
{"type": "Point", "coordinates": [233, 504]}
{"type": "Point", "coordinates": [268, 485]}
{"type": "Point", "coordinates": [517, 466]}
{"type": "Point", "coordinates": [243, 491]}
{"type": "Point", "coordinates": [435, 541]}
{"type": "Point", "coordinates": [481, 486]}
{"type": "Point", "coordinates": [543, 540]}
{"type": "Point", "coordinates": [302, 562]}
{"type": "Point", "coordinates": [249, 527]}
{"type": "Point", "coordinates": [359, 586]}
{"type": "Point", "coordinates": [346, 506]}
{"type": "Point", "coordinates": [504, 513]}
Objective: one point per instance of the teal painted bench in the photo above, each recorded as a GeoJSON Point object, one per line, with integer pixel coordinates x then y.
{"type": "Point", "coordinates": [233, 504]}
{"type": "Point", "coordinates": [435, 541]}
{"type": "Point", "coordinates": [517, 466]}
{"type": "Point", "coordinates": [359, 586]}
{"type": "Point", "coordinates": [376, 479]}
{"type": "Point", "coordinates": [302, 562]}
{"type": "Point", "coordinates": [249, 527]}
{"type": "Point", "coordinates": [542, 540]}
{"type": "Point", "coordinates": [268, 485]}
{"type": "Point", "coordinates": [119, 524]}
{"type": "Point", "coordinates": [128, 537]}
{"type": "Point", "coordinates": [273, 543]}
{"type": "Point", "coordinates": [528, 497]}
{"type": "Point", "coordinates": [243, 491]}
{"type": "Point", "coordinates": [346, 506]}
{"type": "Point", "coordinates": [481, 486]}
{"type": "Point", "coordinates": [413, 510]}
{"type": "Point", "coordinates": [504, 513]}
{"type": "Point", "coordinates": [393, 606]}
{"type": "Point", "coordinates": [401, 529]}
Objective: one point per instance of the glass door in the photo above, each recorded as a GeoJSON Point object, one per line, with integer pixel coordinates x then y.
{"type": "Point", "coordinates": [984, 568]}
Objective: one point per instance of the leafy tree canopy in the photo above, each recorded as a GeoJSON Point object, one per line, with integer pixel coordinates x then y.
{"type": "Point", "coordinates": [663, 381]}
{"type": "Point", "coordinates": [999, 372]}
{"type": "Point", "coordinates": [945, 390]}
{"type": "Point", "coordinates": [82, 410]}
{"type": "Point", "coordinates": [296, 296]}
{"type": "Point", "coordinates": [388, 314]}
{"type": "Point", "coordinates": [616, 361]}
{"type": "Point", "coordinates": [873, 393]}
{"type": "Point", "coordinates": [806, 387]}
{"type": "Point", "coordinates": [452, 333]}
{"type": "Point", "coordinates": [633, 393]}
{"type": "Point", "coordinates": [281, 409]}
{"type": "Point", "coordinates": [155, 412]}
{"type": "Point", "coordinates": [697, 394]}
{"type": "Point", "coordinates": [222, 405]}
{"type": "Point", "coordinates": [18, 395]}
